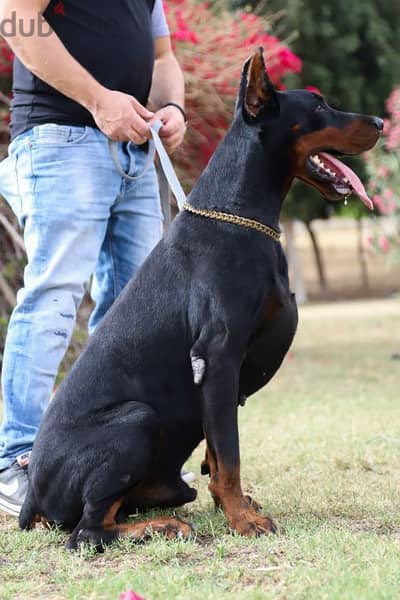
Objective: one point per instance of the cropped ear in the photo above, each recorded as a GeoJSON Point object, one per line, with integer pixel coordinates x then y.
{"type": "Point", "coordinates": [257, 91]}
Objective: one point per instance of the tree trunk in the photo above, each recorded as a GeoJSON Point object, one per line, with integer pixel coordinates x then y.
{"type": "Point", "coordinates": [361, 256]}
{"type": "Point", "coordinates": [323, 286]}
{"type": "Point", "coordinates": [293, 257]}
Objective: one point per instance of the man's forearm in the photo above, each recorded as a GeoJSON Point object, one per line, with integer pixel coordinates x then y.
{"type": "Point", "coordinates": [48, 59]}
{"type": "Point", "coordinates": [168, 83]}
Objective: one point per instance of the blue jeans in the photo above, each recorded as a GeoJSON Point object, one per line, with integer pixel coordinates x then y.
{"type": "Point", "coordinates": [80, 218]}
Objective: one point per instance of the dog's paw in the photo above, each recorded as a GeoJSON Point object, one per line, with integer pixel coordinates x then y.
{"type": "Point", "coordinates": [170, 527]}
{"type": "Point", "coordinates": [96, 538]}
{"type": "Point", "coordinates": [83, 537]}
{"type": "Point", "coordinates": [250, 524]}
{"type": "Point", "coordinates": [71, 544]}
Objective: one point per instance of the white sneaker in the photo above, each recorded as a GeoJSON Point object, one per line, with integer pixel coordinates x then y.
{"type": "Point", "coordinates": [188, 476]}
{"type": "Point", "coordinates": [13, 487]}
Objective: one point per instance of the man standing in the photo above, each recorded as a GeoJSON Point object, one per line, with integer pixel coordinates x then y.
{"type": "Point", "coordinates": [84, 74]}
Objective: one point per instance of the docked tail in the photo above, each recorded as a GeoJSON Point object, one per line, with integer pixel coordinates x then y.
{"type": "Point", "coordinates": [28, 516]}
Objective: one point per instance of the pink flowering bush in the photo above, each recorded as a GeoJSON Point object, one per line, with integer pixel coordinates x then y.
{"type": "Point", "coordinates": [383, 164]}
{"type": "Point", "coordinates": [211, 46]}
{"type": "Point", "coordinates": [6, 57]}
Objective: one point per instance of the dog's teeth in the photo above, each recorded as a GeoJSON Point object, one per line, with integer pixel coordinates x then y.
{"type": "Point", "coordinates": [318, 162]}
{"type": "Point", "coordinates": [342, 189]}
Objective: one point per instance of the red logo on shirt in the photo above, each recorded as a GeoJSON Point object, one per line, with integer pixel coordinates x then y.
{"type": "Point", "coordinates": [59, 8]}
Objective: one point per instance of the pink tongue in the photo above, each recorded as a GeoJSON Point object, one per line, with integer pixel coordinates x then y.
{"type": "Point", "coordinates": [354, 180]}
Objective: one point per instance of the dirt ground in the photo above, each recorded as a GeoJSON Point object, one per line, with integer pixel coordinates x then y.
{"type": "Point", "coordinates": [338, 240]}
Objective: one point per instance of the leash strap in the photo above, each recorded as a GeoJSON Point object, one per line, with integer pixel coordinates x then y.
{"type": "Point", "coordinates": [155, 145]}
{"type": "Point", "coordinates": [165, 198]}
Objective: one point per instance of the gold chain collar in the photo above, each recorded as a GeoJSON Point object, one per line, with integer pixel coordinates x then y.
{"type": "Point", "coordinates": [235, 220]}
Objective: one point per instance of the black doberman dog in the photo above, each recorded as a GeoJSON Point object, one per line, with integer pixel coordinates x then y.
{"type": "Point", "coordinates": [205, 323]}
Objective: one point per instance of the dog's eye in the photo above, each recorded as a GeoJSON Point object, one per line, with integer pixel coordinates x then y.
{"type": "Point", "coordinates": [319, 108]}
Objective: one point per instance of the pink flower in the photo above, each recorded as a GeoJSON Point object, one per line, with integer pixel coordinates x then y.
{"type": "Point", "coordinates": [289, 61]}
{"type": "Point", "coordinates": [312, 88]}
{"type": "Point", "coordinates": [384, 244]}
{"type": "Point", "coordinates": [386, 126]}
{"type": "Point", "coordinates": [249, 17]}
{"type": "Point", "coordinates": [130, 595]}
{"type": "Point", "coordinates": [377, 200]}
{"type": "Point", "coordinates": [184, 35]}
{"type": "Point", "coordinates": [393, 137]}
{"type": "Point", "coordinates": [384, 209]}
{"type": "Point", "coordinates": [382, 171]}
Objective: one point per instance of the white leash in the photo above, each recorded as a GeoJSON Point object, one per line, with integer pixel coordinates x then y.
{"type": "Point", "coordinates": [155, 145]}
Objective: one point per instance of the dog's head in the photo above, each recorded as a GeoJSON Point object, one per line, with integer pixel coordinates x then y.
{"type": "Point", "coordinates": [304, 131]}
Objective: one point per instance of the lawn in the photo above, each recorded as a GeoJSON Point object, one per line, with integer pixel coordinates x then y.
{"type": "Point", "coordinates": [320, 451]}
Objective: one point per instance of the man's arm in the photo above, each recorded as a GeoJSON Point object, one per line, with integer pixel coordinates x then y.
{"type": "Point", "coordinates": [168, 86]}
{"type": "Point", "coordinates": [118, 115]}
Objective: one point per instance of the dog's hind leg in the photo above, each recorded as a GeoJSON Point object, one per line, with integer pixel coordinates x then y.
{"type": "Point", "coordinates": [109, 530]}
{"type": "Point", "coordinates": [161, 492]}
{"type": "Point", "coordinates": [170, 527]}
{"type": "Point", "coordinates": [130, 435]}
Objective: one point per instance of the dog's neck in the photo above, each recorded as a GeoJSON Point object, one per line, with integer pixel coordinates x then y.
{"type": "Point", "coordinates": [243, 177]}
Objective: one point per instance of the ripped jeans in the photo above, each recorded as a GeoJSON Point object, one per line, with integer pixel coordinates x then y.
{"type": "Point", "coordinates": [80, 218]}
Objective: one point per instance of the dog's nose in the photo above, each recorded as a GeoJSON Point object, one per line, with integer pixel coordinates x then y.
{"type": "Point", "coordinates": [378, 123]}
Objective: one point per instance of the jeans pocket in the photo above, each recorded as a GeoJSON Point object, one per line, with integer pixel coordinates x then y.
{"type": "Point", "coordinates": [51, 134]}
{"type": "Point", "coordinates": [9, 185]}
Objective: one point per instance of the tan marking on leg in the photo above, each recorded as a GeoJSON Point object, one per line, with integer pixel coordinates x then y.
{"type": "Point", "coordinates": [225, 488]}
{"type": "Point", "coordinates": [45, 523]}
{"type": "Point", "coordinates": [109, 517]}
{"type": "Point", "coordinates": [39, 519]}
{"type": "Point", "coordinates": [170, 527]}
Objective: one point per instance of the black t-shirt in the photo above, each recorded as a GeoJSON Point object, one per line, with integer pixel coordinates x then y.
{"type": "Point", "coordinates": [112, 39]}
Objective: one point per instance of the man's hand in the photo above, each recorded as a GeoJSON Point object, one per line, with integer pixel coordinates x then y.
{"type": "Point", "coordinates": [122, 118]}
{"type": "Point", "coordinates": [173, 129]}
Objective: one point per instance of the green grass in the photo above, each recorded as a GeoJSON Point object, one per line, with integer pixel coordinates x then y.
{"type": "Point", "coordinates": [321, 452]}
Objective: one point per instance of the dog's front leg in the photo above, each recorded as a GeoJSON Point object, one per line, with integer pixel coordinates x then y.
{"type": "Point", "coordinates": [220, 408]}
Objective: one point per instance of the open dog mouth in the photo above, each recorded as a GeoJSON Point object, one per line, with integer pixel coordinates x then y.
{"type": "Point", "coordinates": [330, 170]}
